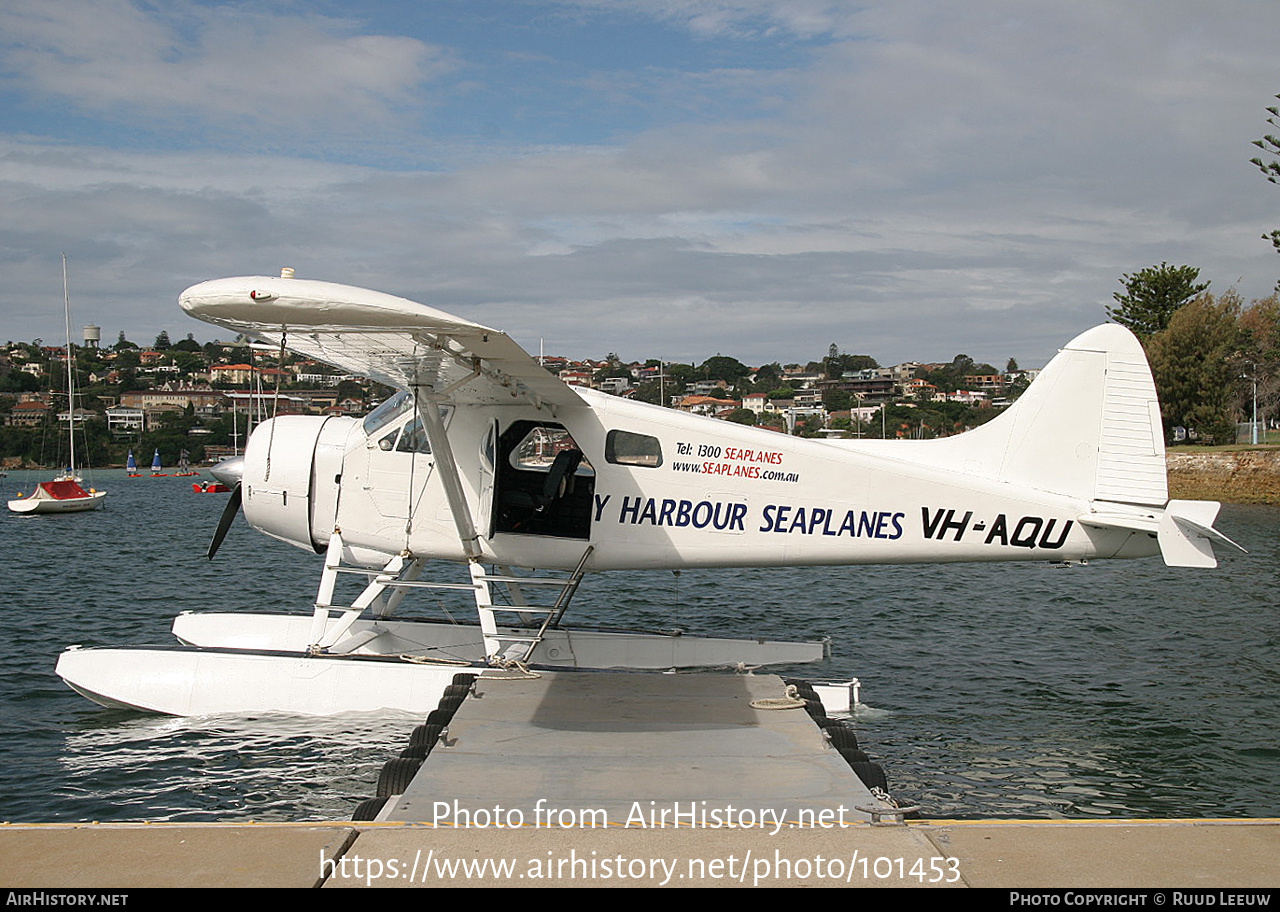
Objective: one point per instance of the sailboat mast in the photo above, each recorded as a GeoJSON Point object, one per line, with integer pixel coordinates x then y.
{"type": "Point", "coordinates": [71, 394]}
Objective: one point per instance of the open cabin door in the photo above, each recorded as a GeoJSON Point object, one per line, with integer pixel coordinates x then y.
{"type": "Point", "coordinates": [543, 484]}
{"type": "Point", "coordinates": [488, 462]}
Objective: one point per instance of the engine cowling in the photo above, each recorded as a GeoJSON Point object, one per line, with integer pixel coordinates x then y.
{"type": "Point", "coordinates": [292, 465]}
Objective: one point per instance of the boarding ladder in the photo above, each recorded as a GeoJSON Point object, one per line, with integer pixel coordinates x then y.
{"type": "Point", "coordinates": [514, 644]}
{"type": "Point", "coordinates": [385, 590]}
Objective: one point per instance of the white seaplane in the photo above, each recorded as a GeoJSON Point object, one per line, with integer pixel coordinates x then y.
{"type": "Point", "coordinates": [486, 460]}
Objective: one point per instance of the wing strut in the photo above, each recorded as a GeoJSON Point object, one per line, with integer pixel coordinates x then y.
{"type": "Point", "coordinates": [429, 409]}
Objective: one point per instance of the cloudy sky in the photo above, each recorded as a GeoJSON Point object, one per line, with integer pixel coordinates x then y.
{"type": "Point", "coordinates": [656, 178]}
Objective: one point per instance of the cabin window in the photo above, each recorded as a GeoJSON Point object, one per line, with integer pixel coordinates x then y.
{"type": "Point", "coordinates": [537, 451]}
{"type": "Point", "coordinates": [626, 448]}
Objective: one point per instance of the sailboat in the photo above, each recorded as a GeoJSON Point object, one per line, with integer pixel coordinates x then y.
{"type": "Point", "coordinates": [184, 465]}
{"type": "Point", "coordinates": [155, 465]}
{"type": "Point", "coordinates": [64, 494]}
{"type": "Point", "coordinates": [131, 466]}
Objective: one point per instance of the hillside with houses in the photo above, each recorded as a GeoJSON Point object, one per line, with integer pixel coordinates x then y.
{"type": "Point", "coordinates": [195, 401]}
{"type": "Point", "coordinates": [841, 395]}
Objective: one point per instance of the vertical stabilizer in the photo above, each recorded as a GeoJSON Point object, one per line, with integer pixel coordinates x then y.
{"type": "Point", "coordinates": [1088, 427]}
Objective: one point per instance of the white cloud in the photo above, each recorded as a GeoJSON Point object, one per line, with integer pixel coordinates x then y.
{"type": "Point", "coordinates": [217, 68]}
{"type": "Point", "coordinates": [941, 178]}
{"type": "Point", "coordinates": [739, 18]}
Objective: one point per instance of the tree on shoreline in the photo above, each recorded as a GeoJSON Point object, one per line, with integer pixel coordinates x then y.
{"type": "Point", "coordinates": [1270, 144]}
{"type": "Point", "coordinates": [1153, 296]}
{"type": "Point", "coordinates": [1260, 356]}
{"type": "Point", "coordinates": [1194, 361]}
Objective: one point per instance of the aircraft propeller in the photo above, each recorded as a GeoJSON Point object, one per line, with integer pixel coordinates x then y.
{"type": "Point", "coordinates": [229, 471]}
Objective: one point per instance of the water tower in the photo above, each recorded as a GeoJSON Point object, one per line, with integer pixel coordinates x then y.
{"type": "Point", "coordinates": [92, 336]}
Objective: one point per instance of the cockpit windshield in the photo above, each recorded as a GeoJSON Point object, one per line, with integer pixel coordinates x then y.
{"type": "Point", "coordinates": [389, 411]}
{"type": "Point", "coordinates": [393, 413]}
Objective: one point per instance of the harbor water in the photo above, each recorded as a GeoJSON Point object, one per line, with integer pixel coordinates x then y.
{"type": "Point", "coordinates": [1112, 690]}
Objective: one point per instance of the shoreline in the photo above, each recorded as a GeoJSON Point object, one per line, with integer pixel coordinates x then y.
{"type": "Point", "coordinates": [1238, 476]}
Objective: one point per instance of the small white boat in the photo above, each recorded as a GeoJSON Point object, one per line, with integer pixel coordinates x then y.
{"type": "Point", "coordinates": [62, 495]}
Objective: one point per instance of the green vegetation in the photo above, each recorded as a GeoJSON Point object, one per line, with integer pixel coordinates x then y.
{"type": "Point", "coordinates": [1153, 296]}
{"type": "Point", "coordinates": [1193, 363]}
{"type": "Point", "coordinates": [1270, 166]}
{"type": "Point", "coordinates": [1207, 352]}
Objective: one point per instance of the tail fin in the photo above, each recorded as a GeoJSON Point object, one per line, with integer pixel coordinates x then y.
{"type": "Point", "coordinates": [1088, 427]}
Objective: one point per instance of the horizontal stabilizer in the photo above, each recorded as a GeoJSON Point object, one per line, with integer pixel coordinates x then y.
{"type": "Point", "coordinates": [1186, 533]}
{"type": "Point", "coordinates": [1184, 530]}
{"type": "Point", "coordinates": [1129, 522]}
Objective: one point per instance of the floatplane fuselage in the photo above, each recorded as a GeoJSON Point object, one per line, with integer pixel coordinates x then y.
{"type": "Point", "coordinates": [483, 458]}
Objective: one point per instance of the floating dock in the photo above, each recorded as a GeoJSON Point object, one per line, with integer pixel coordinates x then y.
{"type": "Point", "coordinates": [600, 750]}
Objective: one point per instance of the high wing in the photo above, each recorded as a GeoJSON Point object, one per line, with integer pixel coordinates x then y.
{"type": "Point", "coordinates": [393, 340]}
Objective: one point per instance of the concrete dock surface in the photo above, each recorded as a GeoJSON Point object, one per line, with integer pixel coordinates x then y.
{"type": "Point", "coordinates": [1202, 854]}
{"type": "Point", "coordinates": [604, 747]}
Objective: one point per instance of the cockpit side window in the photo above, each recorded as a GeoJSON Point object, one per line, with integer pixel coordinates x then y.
{"type": "Point", "coordinates": [412, 438]}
